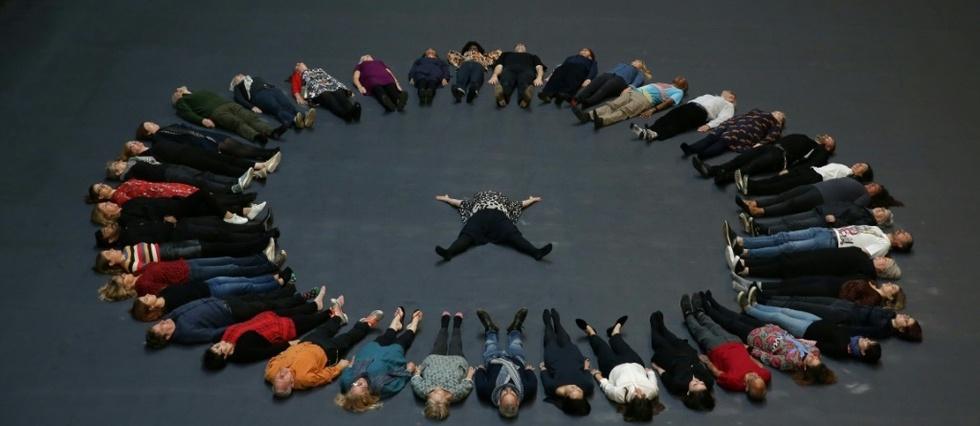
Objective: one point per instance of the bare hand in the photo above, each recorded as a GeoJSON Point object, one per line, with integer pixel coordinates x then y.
{"type": "Point", "coordinates": [301, 101]}
{"type": "Point", "coordinates": [170, 219]}
{"type": "Point", "coordinates": [532, 199]}
{"type": "Point", "coordinates": [207, 123]}
{"type": "Point", "coordinates": [704, 358]}
{"type": "Point", "coordinates": [587, 365]}
{"type": "Point", "coordinates": [586, 82]}
{"type": "Point", "coordinates": [344, 363]}
{"type": "Point", "coordinates": [492, 81]}
{"type": "Point", "coordinates": [362, 90]}
{"type": "Point", "coordinates": [256, 110]}
{"type": "Point", "coordinates": [541, 366]}
{"type": "Point", "coordinates": [470, 372]}
{"type": "Point", "coordinates": [410, 367]}
{"type": "Point", "coordinates": [293, 342]}
{"type": "Point", "coordinates": [830, 218]}
{"type": "Point", "coordinates": [647, 114]}
{"type": "Point", "coordinates": [442, 197]}
{"type": "Point", "coordinates": [703, 129]}
{"type": "Point", "coordinates": [538, 82]}
{"type": "Point", "coordinates": [445, 82]}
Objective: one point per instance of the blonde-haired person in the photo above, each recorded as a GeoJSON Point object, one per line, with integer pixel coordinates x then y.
{"type": "Point", "coordinates": [444, 377]}
{"type": "Point", "coordinates": [379, 369]}
{"type": "Point", "coordinates": [612, 83]}
{"type": "Point", "coordinates": [259, 96]}
{"type": "Point", "coordinates": [373, 77]}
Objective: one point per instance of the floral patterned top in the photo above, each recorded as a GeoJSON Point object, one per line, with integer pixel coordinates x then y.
{"type": "Point", "coordinates": [742, 132]}
{"type": "Point", "coordinates": [312, 82]}
{"type": "Point", "coordinates": [486, 59]}
{"type": "Point", "coordinates": [135, 188]}
{"type": "Point", "coordinates": [776, 347]}
{"type": "Point", "coordinates": [490, 200]}
{"type": "Point", "coordinates": [444, 371]}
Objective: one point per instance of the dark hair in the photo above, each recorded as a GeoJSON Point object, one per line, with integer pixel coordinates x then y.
{"type": "Point", "coordinates": [641, 409]}
{"type": "Point", "coordinates": [93, 195]}
{"type": "Point", "coordinates": [912, 333]}
{"type": "Point", "coordinates": [872, 354]}
{"type": "Point", "coordinates": [155, 341]}
{"type": "Point", "coordinates": [141, 312]}
{"type": "Point", "coordinates": [907, 247]}
{"type": "Point", "coordinates": [867, 176]}
{"type": "Point", "coordinates": [472, 44]}
{"type": "Point", "coordinates": [102, 265]}
{"type": "Point", "coordinates": [699, 401]}
{"type": "Point", "coordinates": [592, 54]}
{"type": "Point", "coordinates": [100, 240]}
{"type": "Point", "coordinates": [884, 199]}
{"type": "Point", "coordinates": [141, 133]}
{"type": "Point", "coordinates": [574, 407]}
{"type": "Point", "coordinates": [820, 375]}
{"type": "Point", "coordinates": [213, 361]}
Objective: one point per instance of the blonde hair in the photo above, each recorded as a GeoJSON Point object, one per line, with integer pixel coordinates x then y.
{"type": "Point", "coordinates": [358, 404]}
{"type": "Point", "coordinates": [103, 266]}
{"type": "Point", "coordinates": [114, 290]}
{"type": "Point", "coordinates": [436, 410]}
{"type": "Point", "coordinates": [643, 68]}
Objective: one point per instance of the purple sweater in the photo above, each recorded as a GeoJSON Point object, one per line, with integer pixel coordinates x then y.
{"type": "Point", "coordinates": [374, 74]}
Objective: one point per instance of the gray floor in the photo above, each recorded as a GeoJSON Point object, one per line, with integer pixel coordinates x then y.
{"type": "Point", "coordinates": [633, 228]}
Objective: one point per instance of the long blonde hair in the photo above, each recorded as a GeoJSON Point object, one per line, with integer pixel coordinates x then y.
{"type": "Point", "coordinates": [114, 290]}
{"type": "Point", "coordinates": [358, 404]}
{"type": "Point", "coordinates": [643, 68]}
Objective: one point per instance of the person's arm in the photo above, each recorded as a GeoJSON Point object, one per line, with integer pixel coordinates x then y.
{"type": "Point", "coordinates": [320, 377]}
{"type": "Point", "coordinates": [638, 80]}
{"type": "Point", "coordinates": [444, 67]}
{"type": "Point", "coordinates": [593, 72]}
{"type": "Point", "coordinates": [727, 112]}
{"type": "Point", "coordinates": [496, 73]}
{"type": "Point", "coordinates": [187, 113]}
{"type": "Point", "coordinates": [657, 108]}
{"type": "Point", "coordinates": [397, 84]}
{"type": "Point", "coordinates": [711, 367]}
{"type": "Point", "coordinates": [239, 96]}
{"type": "Point", "coordinates": [252, 347]}
{"type": "Point", "coordinates": [530, 201]}
{"type": "Point", "coordinates": [539, 79]}
{"type": "Point", "coordinates": [773, 134]}
{"type": "Point", "coordinates": [357, 82]}
{"type": "Point", "coordinates": [449, 200]}
{"type": "Point", "coordinates": [412, 71]}
{"type": "Point", "coordinates": [660, 370]}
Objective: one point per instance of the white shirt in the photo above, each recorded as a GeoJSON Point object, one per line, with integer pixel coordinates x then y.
{"type": "Point", "coordinates": [869, 238]}
{"type": "Point", "coordinates": [833, 171]}
{"type": "Point", "coordinates": [718, 108]}
{"type": "Point", "coordinates": [624, 378]}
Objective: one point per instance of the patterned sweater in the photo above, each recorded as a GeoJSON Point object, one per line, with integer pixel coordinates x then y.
{"type": "Point", "coordinates": [742, 132]}
{"type": "Point", "coordinates": [490, 200]}
{"type": "Point", "coordinates": [777, 348]}
{"type": "Point", "coordinates": [444, 371]}
{"type": "Point", "coordinates": [486, 59]}
{"type": "Point", "coordinates": [135, 188]}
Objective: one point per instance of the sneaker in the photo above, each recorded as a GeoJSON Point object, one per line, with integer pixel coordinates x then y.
{"type": "Point", "coordinates": [700, 166]}
{"type": "Point", "coordinates": [280, 258]}
{"type": "Point", "coordinates": [738, 181]}
{"type": "Point", "coordinates": [649, 135]}
{"type": "Point", "coordinates": [236, 220]}
{"type": "Point", "coordinates": [260, 173]}
{"type": "Point", "coordinates": [298, 120]}
{"type": "Point", "coordinates": [270, 250]}
{"type": "Point", "coordinates": [309, 118]}
{"type": "Point", "coordinates": [753, 295]}
{"type": "Point", "coordinates": [746, 222]}
{"type": "Point", "coordinates": [745, 184]}
{"type": "Point", "coordinates": [273, 162]}
{"type": "Point", "coordinates": [498, 94]}
{"type": "Point", "coordinates": [582, 116]}
{"type": "Point", "coordinates": [458, 94]}
{"type": "Point", "coordinates": [686, 307]}
{"type": "Point", "coordinates": [742, 299]}
{"type": "Point", "coordinates": [731, 238]}
{"type": "Point", "coordinates": [373, 318]}
{"type": "Point", "coordinates": [730, 257]}
{"type": "Point", "coordinates": [738, 286]}
{"type": "Point", "coordinates": [638, 131]}
{"type": "Point", "coordinates": [471, 95]}
{"type": "Point", "coordinates": [237, 189]}
{"type": "Point", "coordinates": [255, 210]}
{"type": "Point", "coordinates": [742, 281]}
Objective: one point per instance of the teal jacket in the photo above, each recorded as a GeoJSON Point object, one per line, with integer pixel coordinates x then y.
{"type": "Point", "coordinates": [382, 366]}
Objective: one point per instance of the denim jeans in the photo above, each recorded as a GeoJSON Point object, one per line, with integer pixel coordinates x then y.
{"type": "Point", "coordinates": [469, 76]}
{"type": "Point", "coordinates": [276, 104]}
{"type": "Point", "coordinates": [706, 332]}
{"type": "Point", "coordinates": [790, 241]}
{"type": "Point", "coordinates": [803, 220]}
{"type": "Point", "coordinates": [514, 351]}
{"type": "Point", "coordinates": [209, 267]}
{"type": "Point", "coordinates": [791, 320]}
{"type": "Point", "coordinates": [222, 287]}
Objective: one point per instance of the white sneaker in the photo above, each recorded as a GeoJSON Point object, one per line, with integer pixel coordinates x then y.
{"type": "Point", "coordinates": [637, 130]}
{"type": "Point", "coordinates": [738, 182]}
{"type": "Point", "coordinates": [270, 250]}
{"type": "Point", "coordinates": [236, 220]}
{"type": "Point", "coordinates": [650, 135]}
{"type": "Point", "coordinates": [261, 174]}
{"type": "Point", "coordinates": [246, 179]}
{"type": "Point", "coordinates": [254, 211]}
{"type": "Point", "coordinates": [273, 162]}
{"type": "Point", "coordinates": [730, 257]}
{"type": "Point", "coordinates": [745, 184]}
{"type": "Point", "coordinates": [237, 189]}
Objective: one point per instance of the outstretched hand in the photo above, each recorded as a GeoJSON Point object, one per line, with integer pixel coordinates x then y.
{"type": "Point", "coordinates": [704, 129]}
{"type": "Point", "coordinates": [492, 81]}
{"type": "Point", "coordinates": [207, 123]}
{"type": "Point", "coordinates": [256, 110]}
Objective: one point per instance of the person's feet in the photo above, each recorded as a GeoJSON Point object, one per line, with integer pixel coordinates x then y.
{"type": "Point", "coordinates": [699, 165]}
{"type": "Point", "coordinates": [686, 149]}
{"type": "Point", "coordinates": [582, 116]}
{"type": "Point", "coordinates": [742, 298]}
{"type": "Point", "coordinates": [254, 210]}
{"type": "Point", "coordinates": [270, 250]}
{"type": "Point", "coordinates": [597, 122]}
{"type": "Point", "coordinates": [280, 258]}
{"type": "Point", "coordinates": [235, 219]}
{"type": "Point", "coordinates": [656, 318]}
{"type": "Point", "coordinates": [731, 238]}
{"type": "Point", "coordinates": [498, 94]}
{"type": "Point", "coordinates": [697, 304]}
{"type": "Point", "coordinates": [518, 322]}
{"type": "Point", "coordinates": [485, 319]}
{"type": "Point", "coordinates": [402, 100]}
{"type": "Point", "coordinates": [443, 253]}
{"type": "Point", "coordinates": [309, 118]}
{"type": "Point", "coordinates": [311, 293]}
{"type": "Point", "coordinates": [321, 294]}
{"type": "Point", "coordinates": [245, 179]}
{"type": "Point", "coordinates": [753, 295]}
{"type": "Point", "coordinates": [457, 319]}
{"type": "Point", "coordinates": [543, 251]}
{"type": "Point", "coordinates": [637, 130]}
{"type": "Point", "coordinates": [458, 94]}
{"type": "Point", "coordinates": [357, 112]}
{"type": "Point", "coordinates": [288, 276]}
{"type": "Point", "coordinates": [298, 121]}
{"type": "Point", "coordinates": [471, 95]}
{"type": "Point", "coordinates": [373, 318]}
{"type": "Point", "coordinates": [272, 164]}
{"type": "Point", "coordinates": [277, 133]}
{"type": "Point", "coordinates": [588, 329]}
{"type": "Point", "coordinates": [545, 99]}
{"type": "Point", "coordinates": [747, 224]}
{"type": "Point", "coordinates": [617, 326]}
{"type": "Point", "coordinates": [730, 258]}
{"type": "Point", "coordinates": [686, 307]}
{"type": "Point", "coordinates": [416, 320]}
{"type": "Point", "coordinates": [396, 321]}
{"type": "Point", "coordinates": [444, 319]}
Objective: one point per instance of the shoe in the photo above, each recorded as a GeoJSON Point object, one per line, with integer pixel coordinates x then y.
{"type": "Point", "coordinates": [471, 95]}
{"type": "Point", "coordinates": [311, 293]}
{"type": "Point", "coordinates": [697, 302]}
{"type": "Point", "coordinates": [686, 307]}
{"type": "Point", "coordinates": [357, 112]}
{"type": "Point", "coordinates": [558, 100]}
{"type": "Point", "coordinates": [236, 220]}
{"type": "Point", "coordinates": [740, 267]}
{"type": "Point", "coordinates": [755, 227]}
{"type": "Point", "coordinates": [730, 257]}
{"type": "Point", "coordinates": [742, 281]}
{"type": "Point", "coordinates": [261, 173]}
{"type": "Point", "coordinates": [753, 295]}
{"type": "Point", "coordinates": [518, 322]}
{"type": "Point", "coordinates": [458, 94]}
{"type": "Point", "coordinates": [298, 120]}
{"type": "Point", "coordinates": [621, 321]}
{"type": "Point", "coordinates": [498, 95]}
{"type": "Point", "coordinates": [280, 258]}
{"type": "Point", "coordinates": [310, 118]}
{"type": "Point", "coordinates": [236, 189]}
{"type": "Point", "coordinates": [270, 250]}
{"type": "Point", "coordinates": [656, 318]}
{"type": "Point", "coordinates": [638, 131]}
{"type": "Point", "coordinates": [443, 253]}
{"type": "Point", "coordinates": [582, 325]}
{"type": "Point", "coordinates": [277, 133]}
{"type": "Point", "coordinates": [745, 184]}
{"type": "Point", "coordinates": [374, 318]}
{"type": "Point", "coordinates": [545, 99]}
{"type": "Point", "coordinates": [686, 149]}
{"type": "Point", "coordinates": [273, 162]}
{"type": "Point", "coordinates": [740, 202]}
{"type": "Point", "coordinates": [543, 251]}
{"type": "Point", "coordinates": [731, 238]}
{"type": "Point", "coordinates": [700, 166]}
{"type": "Point", "coordinates": [582, 116]}
{"type": "Point", "coordinates": [526, 97]}
{"type": "Point", "coordinates": [742, 299]}
{"type": "Point", "coordinates": [245, 179]}
{"type": "Point", "coordinates": [255, 210]}
{"type": "Point", "coordinates": [739, 185]}
{"type": "Point", "coordinates": [738, 286]}
{"type": "Point", "coordinates": [649, 135]}
{"type": "Point", "coordinates": [401, 102]}
{"type": "Point", "coordinates": [746, 222]}
{"type": "Point", "coordinates": [288, 276]}
{"type": "Point", "coordinates": [388, 104]}
{"type": "Point", "coordinates": [485, 319]}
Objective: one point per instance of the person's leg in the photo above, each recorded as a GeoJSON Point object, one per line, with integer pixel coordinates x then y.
{"type": "Point", "coordinates": [804, 286]}
{"type": "Point", "coordinates": [456, 342]}
{"type": "Point", "coordinates": [259, 266]}
{"type": "Point", "coordinates": [769, 160]}
{"type": "Point", "coordinates": [719, 147]}
{"type": "Point", "coordinates": [222, 287]}
{"type": "Point", "coordinates": [623, 350]}
{"type": "Point", "coordinates": [325, 332]}
{"type": "Point", "coordinates": [243, 248]}
{"type": "Point", "coordinates": [605, 356]}
{"type": "Point", "coordinates": [550, 336]}
{"type": "Point", "coordinates": [525, 84]}
{"type": "Point", "coordinates": [807, 199]}
{"type": "Point", "coordinates": [818, 307]}
{"type": "Point", "coordinates": [739, 325]}
{"type": "Point", "coordinates": [405, 339]}
{"type": "Point", "coordinates": [705, 336]}
{"type": "Point", "coordinates": [224, 117]}
{"type": "Point", "coordinates": [387, 338]}
{"type": "Point", "coordinates": [795, 326]}
{"type": "Point", "coordinates": [563, 337]}
{"type": "Point", "coordinates": [508, 82]}
{"type": "Point", "coordinates": [715, 329]}
{"type": "Point", "coordinates": [306, 322]}
{"type": "Point", "coordinates": [728, 168]}
{"type": "Point", "coordinates": [635, 104]}
{"type": "Point", "coordinates": [252, 120]}
{"type": "Point", "coordinates": [441, 345]}
{"type": "Point", "coordinates": [782, 197]}
{"type": "Point", "coordinates": [678, 120]}
{"type": "Point", "coordinates": [781, 183]}
{"type": "Point", "coordinates": [391, 90]}
{"type": "Point", "coordinates": [490, 349]}
{"type": "Point", "coordinates": [515, 346]}
{"type": "Point", "coordinates": [266, 101]}
{"type": "Point", "coordinates": [555, 82]}
{"type": "Point", "coordinates": [286, 105]}
{"type": "Point", "coordinates": [461, 244]}
{"type": "Point", "coordinates": [387, 102]}
{"type": "Point", "coordinates": [235, 148]}
{"type": "Point", "coordinates": [610, 88]}
{"type": "Point", "coordinates": [589, 90]}
{"type": "Point", "coordinates": [336, 103]}
{"type": "Point", "coordinates": [612, 105]}
{"type": "Point", "coordinates": [203, 180]}
{"type": "Point", "coordinates": [701, 145]}
{"type": "Point", "coordinates": [518, 242]}
{"type": "Point", "coordinates": [216, 163]}
{"type": "Point", "coordinates": [342, 343]}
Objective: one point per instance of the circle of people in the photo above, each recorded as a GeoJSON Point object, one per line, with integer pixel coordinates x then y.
{"type": "Point", "coordinates": [182, 237]}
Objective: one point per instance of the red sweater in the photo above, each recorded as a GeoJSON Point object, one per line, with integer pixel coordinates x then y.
{"type": "Point", "coordinates": [142, 189]}
{"type": "Point", "coordinates": [272, 327]}
{"type": "Point", "coordinates": [735, 362]}
{"type": "Point", "coordinates": [159, 275]}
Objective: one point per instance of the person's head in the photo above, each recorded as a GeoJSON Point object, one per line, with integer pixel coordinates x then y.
{"type": "Point", "coordinates": [437, 405]}
{"type": "Point", "coordinates": [862, 172]}
{"type": "Point", "coordinates": [300, 67]}
{"type": "Point", "coordinates": [366, 58]}
{"type": "Point", "coordinates": [132, 149]}
{"type": "Point", "coordinates": [107, 235]}
{"type": "Point", "coordinates": [109, 261]}
{"type": "Point", "coordinates": [729, 96]}
{"type": "Point", "coordinates": [755, 387]}
{"type": "Point", "coordinates": [868, 351]}
{"type": "Point", "coordinates": [588, 53]}
{"type": "Point", "coordinates": [237, 78]}
{"type": "Point", "coordinates": [146, 129]}
{"type": "Point", "coordinates": [98, 192]}
{"type": "Point", "coordinates": [509, 404]}
{"type": "Point", "coordinates": [359, 398]}
{"type": "Point", "coordinates": [698, 397]}
{"type": "Point", "coordinates": [780, 118]}
{"type": "Point", "coordinates": [148, 308]}
{"type": "Point", "coordinates": [430, 53]}
{"type": "Point", "coordinates": [215, 356]}
{"type": "Point", "coordinates": [115, 169]}
{"type": "Point", "coordinates": [814, 372]}
{"type": "Point", "coordinates": [574, 406]}
{"type": "Point", "coordinates": [680, 82]}
{"type": "Point", "coordinates": [105, 213]}
{"type": "Point", "coordinates": [887, 268]}
{"type": "Point", "coordinates": [642, 66]}
{"type": "Point", "coordinates": [471, 45]}
{"type": "Point", "coordinates": [827, 142]}
{"type": "Point", "coordinates": [119, 287]}
{"type": "Point", "coordinates": [641, 409]}
{"type": "Point", "coordinates": [880, 196]}
{"type": "Point", "coordinates": [282, 383]}
{"type": "Point", "coordinates": [158, 336]}
{"type": "Point", "coordinates": [907, 328]}
{"type": "Point", "coordinates": [901, 240]}
{"type": "Point", "coordinates": [179, 93]}
{"type": "Point", "coordinates": [520, 47]}
{"type": "Point", "coordinates": [893, 296]}
{"type": "Point", "coordinates": [883, 216]}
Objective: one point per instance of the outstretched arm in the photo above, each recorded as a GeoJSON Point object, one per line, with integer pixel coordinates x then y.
{"type": "Point", "coordinates": [357, 82]}
{"type": "Point", "coordinates": [530, 201]}
{"type": "Point", "coordinates": [449, 200]}
{"type": "Point", "coordinates": [496, 73]}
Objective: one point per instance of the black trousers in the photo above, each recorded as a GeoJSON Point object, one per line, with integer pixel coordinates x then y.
{"type": "Point", "coordinates": [304, 322]}
{"type": "Point", "coordinates": [664, 340]}
{"type": "Point", "coordinates": [390, 337]}
{"type": "Point", "coordinates": [782, 183]}
{"type": "Point", "coordinates": [827, 308]}
{"type": "Point", "coordinates": [427, 84]}
{"type": "Point", "coordinates": [387, 95]}
{"type": "Point", "coordinates": [816, 286]}
{"type": "Point", "coordinates": [763, 159]}
{"type": "Point", "coordinates": [446, 346]}
{"type": "Point", "coordinates": [247, 306]}
{"type": "Point", "coordinates": [615, 353]}
{"type": "Point", "coordinates": [196, 248]}
{"type": "Point", "coordinates": [491, 226]}
{"type": "Point", "coordinates": [799, 199]}
{"type": "Point", "coordinates": [710, 146]}
{"type": "Point", "coordinates": [337, 346]}
{"type": "Point", "coordinates": [183, 174]}
{"type": "Point", "coordinates": [516, 79]}
{"type": "Point", "coordinates": [566, 80]}
{"type": "Point", "coordinates": [554, 333]}
{"type": "Point", "coordinates": [737, 324]}
{"type": "Point", "coordinates": [603, 87]}
{"type": "Point", "coordinates": [338, 102]}
{"type": "Point", "coordinates": [208, 161]}
{"type": "Point", "coordinates": [231, 147]}
{"type": "Point", "coordinates": [678, 120]}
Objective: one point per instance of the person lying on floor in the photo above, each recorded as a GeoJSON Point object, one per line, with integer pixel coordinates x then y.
{"type": "Point", "coordinates": [518, 71]}
{"type": "Point", "coordinates": [490, 217]}
{"type": "Point", "coordinates": [175, 208]}
{"type": "Point", "coordinates": [169, 152]}
{"type": "Point", "coordinates": [680, 367]}
{"type": "Point", "coordinates": [373, 77]}
{"type": "Point", "coordinates": [314, 87]}
{"type": "Point", "coordinates": [505, 379]}
{"type": "Point", "coordinates": [788, 179]}
{"type": "Point", "coordinates": [859, 290]}
{"type": "Point", "coordinates": [565, 372]}
{"type": "Point", "coordinates": [703, 113]}
{"type": "Point", "coordinates": [133, 258]}
{"type": "Point", "coordinates": [871, 239]}
{"type": "Point", "coordinates": [149, 169]}
{"type": "Point", "coordinates": [149, 131]}
{"type": "Point", "coordinates": [428, 73]}
{"type": "Point", "coordinates": [150, 307]}
{"type": "Point", "coordinates": [210, 110]}
{"type": "Point", "coordinates": [203, 228]}
{"type": "Point", "coordinates": [260, 96]}
{"type": "Point", "coordinates": [803, 198]}
{"type": "Point", "coordinates": [444, 377]}
{"type": "Point", "coordinates": [846, 261]}
{"type": "Point", "coordinates": [643, 101]}
{"type": "Point", "coordinates": [611, 84]}
{"type": "Point", "coordinates": [828, 215]}
{"type": "Point", "coordinates": [787, 152]}
{"type": "Point", "coordinates": [739, 133]}
{"type": "Point", "coordinates": [574, 73]}
{"type": "Point", "coordinates": [871, 321]}
{"type": "Point", "coordinates": [135, 188]}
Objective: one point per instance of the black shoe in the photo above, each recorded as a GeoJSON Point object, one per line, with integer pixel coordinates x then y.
{"type": "Point", "coordinates": [686, 307]}
{"type": "Point", "coordinates": [388, 104]}
{"type": "Point", "coordinates": [554, 316]}
{"type": "Point", "coordinates": [581, 115]}
{"type": "Point", "coordinates": [597, 122]}
{"type": "Point", "coordinates": [546, 318]}
{"type": "Point", "coordinates": [288, 276]}
{"type": "Point", "coordinates": [621, 321]}
{"type": "Point", "coordinates": [543, 251]}
{"type": "Point", "coordinates": [485, 319]}
{"type": "Point", "coordinates": [518, 322]}
{"type": "Point", "coordinates": [458, 94]}
{"type": "Point", "coordinates": [402, 100]}
{"type": "Point", "coordinates": [357, 112]}
{"type": "Point", "coordinates": [559, 99]}
{"type": "Point", "coordinates": [471, 95]}
{"type": "Point", "coordinates": [696, 303]}
{"type": "Point", "coordinates": [740, 202]}
{"type": "Point", "coordinates": [545, 99]}
{"type": "Point", "coordinates": [444, 253]}
{"type": "Point", "coordinates": [422, 97]}
{"type": "Point", "coordinates": [686, 148]}
{"type": "Point", "coordinates": [277, 133]}
{"type": "Point", "coordinates": [656, 318]}
{"type": "Point", "coordinates": [499, 97]}
{"type": "Point", "coordinates": [700, 166]}
{"type": "Point", "coordinates": [582, 324]}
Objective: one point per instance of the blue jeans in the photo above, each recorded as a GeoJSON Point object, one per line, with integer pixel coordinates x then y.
{"type": "Point", "coordinates": [469, 76]}
{"type": "Point", "coordinates": [790, 241]}
{"type": "Point", "coordinates": [209, 267]}
{"type": "Point", "coordinates": [276, 104]}
{"type": "Point", "coordinates": [514, 351]}
{"type": "Point", "coordinates": [222, 287]}
{"type": "Point", "coordinates": [791, 320]}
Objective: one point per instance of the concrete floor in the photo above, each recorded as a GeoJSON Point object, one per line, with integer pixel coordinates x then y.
{"type": "Point", "coordinates": [633, 227]}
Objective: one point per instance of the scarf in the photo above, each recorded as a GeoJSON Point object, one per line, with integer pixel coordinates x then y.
{"type": "Point", "coordinates": [508, 373]}
{"type": "Point", "coordinates": [247, 83]}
